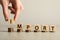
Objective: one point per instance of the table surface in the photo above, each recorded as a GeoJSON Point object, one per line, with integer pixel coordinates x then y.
{"type": "Point", "coordinates": [4, 35]}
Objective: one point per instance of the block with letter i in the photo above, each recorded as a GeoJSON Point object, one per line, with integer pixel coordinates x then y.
{"type": "Point", "coordinates": [19, 28]}
{"type": "Point", "coordinates": [10, 29]}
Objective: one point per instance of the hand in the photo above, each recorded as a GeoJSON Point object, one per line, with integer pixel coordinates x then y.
{"type": "Point", "coordinates": [16, 8]}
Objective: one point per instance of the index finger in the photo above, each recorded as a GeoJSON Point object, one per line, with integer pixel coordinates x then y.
{"type": "Point", "coordinates": [16, 3]}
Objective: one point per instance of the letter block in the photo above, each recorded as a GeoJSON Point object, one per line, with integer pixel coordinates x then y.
{"type": "Point", "coordinates": [28, 29]}
{"type": "Point", "coordinates": [44, 28]}
{"type": "Point", "coordinates": [19, 28]}
{"type": "Point", "coordinates": [10, 29]}
{"type": "Point", "coordinates": [36, 28]}
{"type": "Point", "coordinates": [52, 28]}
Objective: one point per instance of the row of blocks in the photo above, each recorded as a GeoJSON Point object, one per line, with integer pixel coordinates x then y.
{"type": "Point", "coordinates": [44, 28]}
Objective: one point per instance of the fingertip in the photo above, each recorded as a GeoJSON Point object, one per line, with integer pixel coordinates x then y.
{"type": "Point", "coordinates": [6, 20]}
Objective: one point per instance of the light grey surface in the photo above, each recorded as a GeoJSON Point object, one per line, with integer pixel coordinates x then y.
{"type": "Point", "coordinates": [30, 35]}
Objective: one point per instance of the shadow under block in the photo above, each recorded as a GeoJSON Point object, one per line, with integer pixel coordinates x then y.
{"type": "Point", "coordinates": [27, 30]}
{"type": "Point", "coordinates": [19, 30]}
{"type": "Point", "coordinates": [10, 29]}
{"type": "Point", "coordinates": [43, 31]}
{"type": "Point", "coordinates": [36, 30]}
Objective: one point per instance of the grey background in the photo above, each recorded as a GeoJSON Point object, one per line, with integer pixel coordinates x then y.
{"type": "Point", "coordinates": [37, 12]}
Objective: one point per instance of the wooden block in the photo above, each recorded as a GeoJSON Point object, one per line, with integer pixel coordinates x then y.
{"type": "Point", "coordinates": [36, 29]}
{"type": "Point", "coordinates": [44, 28]}
{"type": "Point", "coordinates": [19, 28]}
{"type": "Point", "coordinates": [10, 29]}
{"type": "Point", "coordinates": [28, 29]}
{"type": "Point", "coordinates": [10, 21]}
{"type": "Point", "coordinates": [28, 26]}
{"type": "Point", "coordinates": [52, 28]}
{"type": "Point", "coordinates": [19, 25]}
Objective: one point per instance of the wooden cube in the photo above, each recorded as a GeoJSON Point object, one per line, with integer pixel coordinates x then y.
{"type": "Point", "coordinates": [52, 28]}
{"type": "Point", "coordinates": [10, 29]}
{"type": "Point", "coordinates": [36, 28]}
{"type": "Point", "coordinates": [10, 21]}
{"type": "Point", "coordinates": [19, 25]}
{"type": "Point", "coordinates": [28, 29]}
{"type": "Point", "coordinates": [44, 28]}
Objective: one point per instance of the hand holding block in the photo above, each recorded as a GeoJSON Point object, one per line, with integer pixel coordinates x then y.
{"type": "Point", "coordinates": [10, 21]}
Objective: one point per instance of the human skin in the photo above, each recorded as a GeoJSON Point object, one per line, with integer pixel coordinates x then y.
{"type": "Point", "coordinates": [15, 9]}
